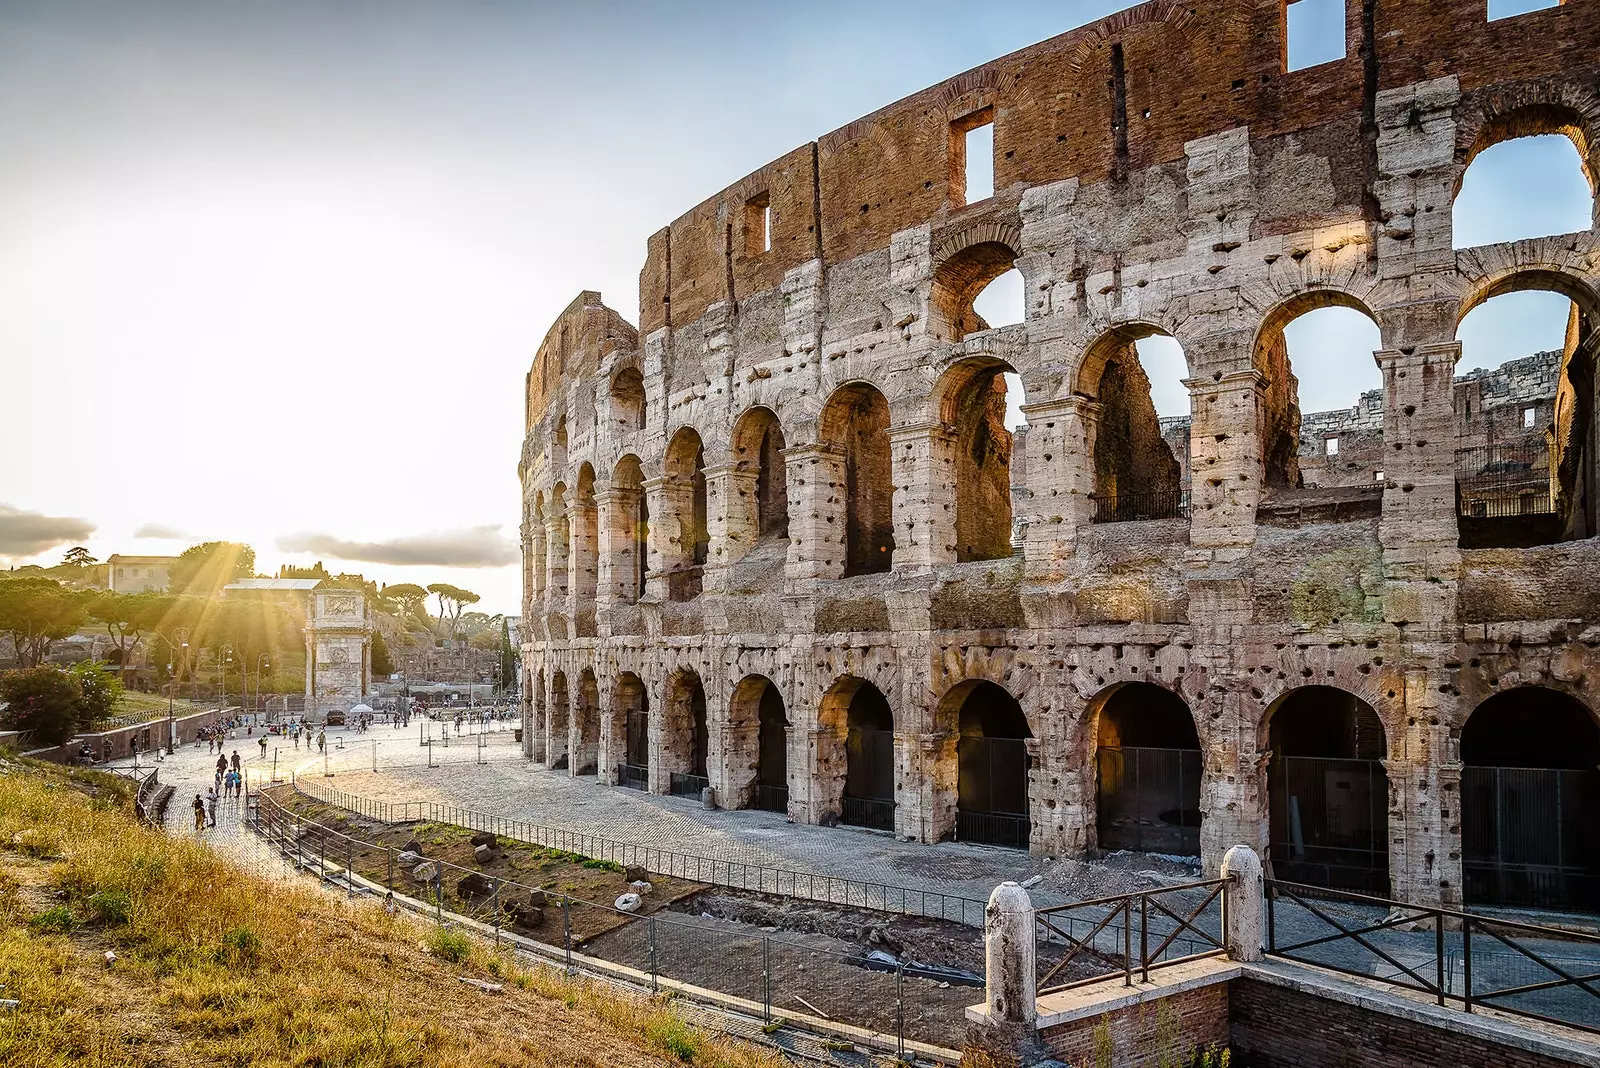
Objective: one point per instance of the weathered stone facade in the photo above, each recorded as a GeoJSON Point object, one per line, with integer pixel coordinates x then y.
{"type": "Point", "coordinates": [791, 477]}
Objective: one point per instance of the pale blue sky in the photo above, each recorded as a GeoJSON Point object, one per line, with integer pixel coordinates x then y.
{"type": "Point", "coordinates": [235, 232]}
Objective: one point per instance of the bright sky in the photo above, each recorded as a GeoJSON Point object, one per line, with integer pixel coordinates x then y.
{"type": "Point", "coordinates": [273, 271]}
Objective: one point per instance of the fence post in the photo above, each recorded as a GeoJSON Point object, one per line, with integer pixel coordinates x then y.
{"type": "Point", "coordinates": [653, 983]}
{"type": "Point", "coordinates": [766, 978]}
{"type": "Point", "coordinates": [1127, 941]}
{"type": "Point", "coordinates": [438, 892]}
{"type": "Point", "coordinates": [900, 1008]}
{"type": "Point", "coordinates": [1241, 911]}
{"type": "Point", "coordinates": [349, 870]}
{"type": "Point", "coordinates": [566, 930]}
{"type": "Point", "coordinates": [1466, 962]}
{"type": "Point", "coordinates": [1144, 937]}
{"type": "Point", "coordinates": [1010, 957]}
{"type": "Point", "coordinates": [1438, 952]}
{"type": "Point", "coordinates": [494, 903]}
{"type": "Point", "coordinates": [388, 879]}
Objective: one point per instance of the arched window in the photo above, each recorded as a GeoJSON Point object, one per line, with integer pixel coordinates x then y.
{"type": "Point", "coordinates": [557, 548]}
{"type": "Point", "coordinates": [855, 755]}
{"type": "Point", "coordinates": [630, 530]}
{"type": "Point", "coordinates": [584, 532]}
{"type": "Point", "coordinates": [765, 750]}
{"type": "Point", "coordinates": [537, 548]}
{"type": "Point", "coordinates": [1329, 796]}
{"type": "Point", "coordinates": [585, 745]}
{"type": "Point", "coordinates": [958, 280]}
{"type": "Point", "coordinates": [685, 526]}
{"type": "Point", "coordinates": [685, 737]}
{"type": "Point", "coordinates": [1324, 408]}
{"type": "Point", "coordinates": [976, 406]}
{"type": "Point", "coordinates": [627, 401]}
{"type": "Point", "coordinates": [1147, 755]}
{"type": "Point", "coordinates": [1001, 302]}
{"type": "Point", "coordinates": [1527, 177]}
{"type": "Point", "coordinates": [1138, 473]}
{"type": "Point", "coordinates": [763, 505]}
{"type": "Point", "coordinates": [991, 765]}
{"type": "Point", "coordinates": [1526, 439]}
{"type": "Point", "coordinates": [557, 728]}
{"type": "Point", "coordinates": [630, 731]}
{"type": "Point", "coordinates": [1530, 801]}
{"type": "Point", "coordinates": [856, 421]}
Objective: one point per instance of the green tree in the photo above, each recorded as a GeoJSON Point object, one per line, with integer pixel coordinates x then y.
{"type": "Point", "coordinates": [127, 616]}
{"type": "Point", "coordinates": [202, 570]}
{"type": "Point", "coordinates": [508, 656]}
{"type": "Point", "coordinates": [100, 692]}
{"type": "Point", "coordinates": [42, 702]}
{"type": "Point", "coordinates": [78, 556]}
{"type": "Point", "coordinates": [452, 600]}
{"type": "Point", "coordinates": [38, 612]}
{"type": "Point", "coordinates": [412, 599]}
{"type": "Point", "coordinates": [382, 662]}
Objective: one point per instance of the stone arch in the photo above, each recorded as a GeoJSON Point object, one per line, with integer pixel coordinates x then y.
{"type": "Point", "coordinates": [583, 533]}
{"type": "Point", "coordinates": [1148, 767]}
{"type": "Point", "coordinates": [992, 763]}
{"type": "Point", "coordinates": [1327, 790]}
{"type": "Point", "coordinates": [584, 746]}
{"type": "Point", "coordinates": [758, 755]}
{"type": "Point", "coordinates": [628, 728]}
{"type": "Point", "coordinates": [855, 423]}
{"type": "Point", "coordinates": [970, 402]}
{"type": "Point", "coordinates": [757, 446]}
{"type": "Point", "coordinates": [854, 777]}
{"type": "Point", "coordinates": [682, 748]}
{"type": "Point", "coordinates": [538, 718]}
{"type": "Point", "coordinates": [557, 726]}
{"type": "Point", "coordinates": [1530, 799]}
{"type": "Point", "coordinates": [1137, 473]}
{"type": "Point", "coordinates": [628, 404]}
{"type": "Point", "coordinates": [629, 533]}
{"type": "Point", "coordinates": [1281, 411]}
{"type": "Point", "coordinates": [1529, 111]}
{"type": "Point", "coordinates": [963, 266]}
{"type": "Point", "coordinates": [683, 532]}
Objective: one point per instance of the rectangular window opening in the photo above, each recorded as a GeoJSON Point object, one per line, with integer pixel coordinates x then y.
{"type": "Point", "coordinates": [1314, 33]}
{"type": "Point", "coordinates": [1530, 417]}
{"type": "Point", "coordinates": [1505, 9]}
{"type": "Point", "coordinates": [758, 224]}
{"type": "Point", "coordinates": [972, 158]}
{"type": "Point", "coordinates": [1330, 446]}
{"type": "Point", "coordinates": [1377, 476]}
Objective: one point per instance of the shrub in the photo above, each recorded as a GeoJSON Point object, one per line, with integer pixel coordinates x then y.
{"type": "Point", "coordinates": [110, 906]}
{"type": "Point", "coordinates": [449, 945]}
{"type": "Point", "coordinates": [57, 919]}
{"type": "Point", "coordinates": [672, 1035]}
{"type": "Point", "coordinates": [41, 701]}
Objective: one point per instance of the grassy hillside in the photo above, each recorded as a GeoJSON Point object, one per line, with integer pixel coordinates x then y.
{"type": "Point", "coordinates": [218, 967]}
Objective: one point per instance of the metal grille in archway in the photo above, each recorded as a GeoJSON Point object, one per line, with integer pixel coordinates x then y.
{"type": "Point", "coordinates": [1149, 799]}
{"type": "Point", "coordinates": [1330, 823]}
{"type": "Point", "coordinates": [1528, 837]}
{"type": "Point", "coordinates": [993, 802]}
{"type": "Point", "coordinates": [869, 778]}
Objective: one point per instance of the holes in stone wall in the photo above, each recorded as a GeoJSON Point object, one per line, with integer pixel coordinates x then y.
{"type": "Point", "coordinates": [1314, 33]}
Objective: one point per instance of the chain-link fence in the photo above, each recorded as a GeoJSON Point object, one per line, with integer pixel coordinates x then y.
{"type": "Point", "coordinates": [776, 976]}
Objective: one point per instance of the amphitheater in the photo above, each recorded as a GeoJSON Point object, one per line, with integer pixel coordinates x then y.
{"type": "Point", "coordinates": [784, 548]}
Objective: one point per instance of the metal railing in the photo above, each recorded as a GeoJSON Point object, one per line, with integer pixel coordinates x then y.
{"type": "Point", "coordinates": [734, 874]}
{"type": "Point", "coordinates": [772, 798]}
{"type": "Point", "coordinates": [777, 976]}
{"type": "Point", "coordinates": [1458, 958]}
{"type": "Point", "coordinates": [1130, 934]}
{"type": "Point", "coordinates": [633, 776]}
{"type": "Point", "coordinates": [1009, 829]}
{"type": "Point", "coordinates": [874, 813]}
{"type": "Point", "coordinates": [1507, 479]}
{"type": "Point", "coordinates": [149, 785]}
{"type": "Point", "coordinates": [1134, 507]}
{"type": "Point", "coordinates": [683, 784]}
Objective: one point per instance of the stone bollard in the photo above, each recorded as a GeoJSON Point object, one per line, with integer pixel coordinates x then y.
{"type": "Point", "coordinates": [1242, 916]}
{"type": "Point", "coordinates": [1010, 969]}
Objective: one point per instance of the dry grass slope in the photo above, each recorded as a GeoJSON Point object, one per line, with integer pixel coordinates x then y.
{"type": "Point", "coordinates": [217, 967]}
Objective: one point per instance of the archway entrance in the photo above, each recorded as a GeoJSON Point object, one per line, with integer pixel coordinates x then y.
{"type": "Point", "coordinates": [631, 712]}
{"type": "Point", "coordinates": [687, 740]}
{"type": "Point", "coordinates": [584, 758]}
{"type": "Point", "coordinates": [1148, 762]}
{"type": "Point", "coordinates": [1530, 802]}
{"type": "Point", "coordinates": [1327, 791]}
{"type": "Point", "coordinates": [868, 797]}
{"type": "Point", "coordinates": [555, 753]}
{"type": "Point", "coordinates": [992, 767]}
{"type": "Point", "coordinates": [772, 761]}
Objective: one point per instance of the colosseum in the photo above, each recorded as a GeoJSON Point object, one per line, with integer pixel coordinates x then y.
{"type": "Point", "coordinates": [786, 548]}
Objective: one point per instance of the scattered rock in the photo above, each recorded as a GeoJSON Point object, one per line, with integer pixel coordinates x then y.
{"type": "Point", "coordinates": [628, 903]}
{"type": "Point", "coordinates": [641, 887]}
{"type": "Point", "coordinates": [486, 838]}
{"type": "Point", "coordinates": [538, 898]}
{"type": "Point", "coordinates": [414, 846]}
{"type": "Point", "coordinates": [408, 859]}
{"type": "Point", "coordinates": [633, 873]}
{"type": "Point", "coordinates": [487, 988]}
{"type": "Point", "coordinates": [425, 872]}
{"type": "Point", "coordinates": [475, 884]}
{"type": "Point", "coordinates": [483, 854]}
{"type": "Point", "coordinates": [523, 914]}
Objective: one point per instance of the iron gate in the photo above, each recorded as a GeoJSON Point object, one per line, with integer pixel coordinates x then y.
{"type": "Point", "coordinates": [869, 778]}
{"type": "Point", "coordinates": [638, 739]}
{"type": "Point", "coordinates": [1528, 837]}
{"type": "Point", "coordinates": [1149, 799]}
{"type": "Point", "coordinates": [992, 791]}
{"type": "Point", "coordinates": [1330, 823]}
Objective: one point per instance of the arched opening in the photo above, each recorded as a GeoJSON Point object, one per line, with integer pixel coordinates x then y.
{"type": "Point", "coordinates": [957, 282]}
{"type": "Point", "coordinates": [975, 404]}
{"type": "Point", "coordinates": [537, 547]}
{"type": "Point", "coordinates": [1147, 754]}
{"type": "Point", "coordinates": [763, 505]}
{"type": "Point", "coordinates": [761, 737]}
{"type": "Point", "coordinates": [1530, 801]}
{"type": "Point", "coordinates": [1322, 416]}
{"type": "Point", "coordinates": [855, 421]}
{"type": "Point", "coordinates": [855, 755]}
{"type": "Point", "coordinates": [585, 755]}
{"type": "Point", "coordinates": [630, 712]}
{"type": "Point", "coordinates": [685, 740]}
{"type": "Point", "coordinates": [556, 733]}
{"type": "Point", "coordinates": [1530, 175]}
{"type": "Point", "coordinates": [557, 550]}
{"type": "Point", "coordinates": [561, 433]}
{"type": "Point", "coordinates": [992, 765]}
{"type": "Point", "coordinates": [584, 531]}
{"type": "Point", "coordinates": [688, 534]}
{"type": "Point", "coordinates": [1138, 473]}
{"type": "Point", "coordinates": [1328, 794]}
{"type": "Point", "coordinates": [539, 716]}
{"type": "Point", "coordinates": [1526, 434]}
{"type": "Point", "coordinates": [630, 530]}
{"type": "Point", "coordinates": [1002, 302]}
{"type": "Point", "coordinates": [627, 401]}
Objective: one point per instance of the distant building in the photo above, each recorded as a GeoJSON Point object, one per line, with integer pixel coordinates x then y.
{"type": "Point", "coordinates": [136, 574]}
{"type": "Point", "coordinates": [338, 631]}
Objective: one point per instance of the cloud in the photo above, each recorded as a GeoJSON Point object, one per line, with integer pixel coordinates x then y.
{"type": "Point", "coordinates": [161, 530]}
{"type": "Point", "coordinates": [29, 533]}
{"type": "Point", "coordinates": [472, 547]}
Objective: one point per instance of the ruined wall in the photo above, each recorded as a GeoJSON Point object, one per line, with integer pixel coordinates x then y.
{"type": "Point", "coordinates": [1159, 171]}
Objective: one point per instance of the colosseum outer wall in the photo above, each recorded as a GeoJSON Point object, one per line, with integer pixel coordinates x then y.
{"type": "Point", "coordinates": [1157, 171]}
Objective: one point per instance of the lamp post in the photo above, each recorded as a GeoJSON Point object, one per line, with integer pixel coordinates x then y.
{"type": "Point", "coordinates": [222, 681]}
{"type": "Point", "coordinates": [181, 637]}
{"type": "Point", "coordinates": [266, 660]}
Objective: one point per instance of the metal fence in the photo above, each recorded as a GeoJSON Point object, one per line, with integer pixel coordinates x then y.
{"type": "Point", "coordinates": [1458, 958]}
{"type": "Point", "coordinates": [910, 1008]}
{"type": "Point", "coordinates": [1128, 935]}
{"type": "Point", "coordinates": [1528, 837]}
{"type": "Point", "coordinates": [733, 874]}
{"type": "Point", "coordinates": [1133, 507]}
{"type": "Point", "coordinates": [633, 776]}
{"type": "Point", "coordinates": [771, 798]}
{"type": "Point", "coordinates": [1508, 479]}
{"type": "Point", "coordinates": [683, 784]}
{"type": "Point", "coordinates": [871, 812]}
{"type": "Point", "coordinates": [1149, 799]}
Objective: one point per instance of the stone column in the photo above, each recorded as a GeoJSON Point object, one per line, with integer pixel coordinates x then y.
{"type": "Point", "coordinates": [671, 548]}
{"type": "Point", "coordinates": [729, 762]}
{"type": "Point", "coordinates": [614, 560]}
{"type": "Point", "coordinates": [816, 511]}
{"type": "Point", "coordinates": [1242, 867]}
{"type": "Point", "coordinates": [582, 564]}
{"type": "Point", "coordinates": [731, 519]}
{"type": "Point", "coordinates": [926, 812]}
{"type": "Point", "coordinates": [1060, 473]}
{"type": "Point", "coordinates": [1225, 459]}
{"type": "Point", "coordinates": [924, 471]}
{"type": "Point", "coordinates": [1010, 962]}
{"type": "Point", "coordinates": [1233, 775]}
{"type": "Point", "coordinates": [537, 549]}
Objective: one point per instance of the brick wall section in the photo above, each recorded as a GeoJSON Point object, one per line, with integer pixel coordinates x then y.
{"type": "Point", "coordinates": [1273, 1027]}
{"type": "Point", "coordinates": [1153, 1033]}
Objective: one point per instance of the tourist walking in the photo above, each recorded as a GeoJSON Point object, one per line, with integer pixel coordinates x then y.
{"type": "Point", "coordinates": [322, 740]}
{"type": "Point", "coordinates": [211, 807]}
{"type": "Point", "coordinates": [263, 747]}
{"type": "Point", "coordinates": [236, 760]}
{"type": "Point", "coordinates": [199, 813]}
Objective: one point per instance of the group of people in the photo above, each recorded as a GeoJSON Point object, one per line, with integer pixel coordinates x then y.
{"type": "Point", "coordinates": [216, 735]}
{"type": "Point", "coordinates": [228, 784]}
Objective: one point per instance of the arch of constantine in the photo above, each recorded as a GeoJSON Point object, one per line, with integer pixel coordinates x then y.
{"type": "Point", "coordinates": [781, 541]}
